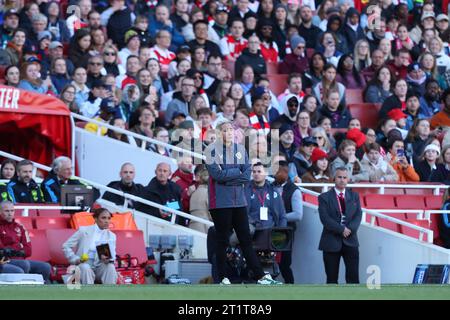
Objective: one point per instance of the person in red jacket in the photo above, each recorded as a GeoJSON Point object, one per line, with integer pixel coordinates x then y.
{"type": "Point", "coordinates": [184, 178]}
{"type": "Point", "coordinates": [14, 236]}
{"type": "Point", "coordinates": [297, 60]}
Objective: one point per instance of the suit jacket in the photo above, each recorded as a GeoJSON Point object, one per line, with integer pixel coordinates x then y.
{"type": "Point", "coordinates": [330, 216]}
{"type": "Point", "coordinates": [82, 240]}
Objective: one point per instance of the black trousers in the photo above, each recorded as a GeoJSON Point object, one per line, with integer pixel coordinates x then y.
{"type": "Point", "coordinates": [285, 267]}
{"type": "Point", "coordinates": [351, 261]}
{"type": "Point", "coordinates": [225, 220]}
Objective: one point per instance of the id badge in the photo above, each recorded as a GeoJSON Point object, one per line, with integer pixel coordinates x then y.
{"type": "Point", "coordinates": [263, 213]}
{"type": "Point", "coordinates": [173, 205]}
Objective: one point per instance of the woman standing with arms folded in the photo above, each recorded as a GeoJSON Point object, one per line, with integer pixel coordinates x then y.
{"type": "Point", "coordinates": [229, 170]}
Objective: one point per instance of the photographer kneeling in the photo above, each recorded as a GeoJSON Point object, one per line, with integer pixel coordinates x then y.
{"type": "Point", "coordinates": [15, 246]}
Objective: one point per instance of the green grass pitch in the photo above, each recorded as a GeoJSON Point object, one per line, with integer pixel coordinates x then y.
{"type": "Point", "coordinates": [232, 293]}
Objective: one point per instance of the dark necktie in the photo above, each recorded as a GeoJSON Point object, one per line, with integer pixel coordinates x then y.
{"type": "Point", "coordinates": [342, 202]}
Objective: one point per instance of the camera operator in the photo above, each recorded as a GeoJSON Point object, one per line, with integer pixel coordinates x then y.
{"type": "Point", "coordinates": [14, 239]}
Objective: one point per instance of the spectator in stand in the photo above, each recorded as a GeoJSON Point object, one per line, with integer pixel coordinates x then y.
{"type": "Point", "coordinates": [361, 55]}
{"type": "Point", "coordinates": [252, 56]}
{"type": "Point", "coordinates": [416, 78]}
{"type": "Point", "coordinates": [257, 116]}
{"type": "Point", "coordinates": [125, 184]}
{"type": "Point", "coordinates": [291, 107]}
{"type": "Point", "coordinates": [379, 88]}
{"type": "Point", "coordinates": [86, 240]}
{"type": "Point", "coordinates": [427, 162]}
{"type": "Point", "coordinates": [431, 98]}
{"type": "Point", "coordinates": [145, 125]}
{"type": "Point", "coordinates": [294, 87]}
{"type": "Point", "coordinates": [13, 235]}
{"type": "Point", "coordinates": [30, 79]}
{"type": "Point", "coordinates": [403, 40]}
{"type": "Point", "coordinates": [67, 96]}
{"type": "Point", "coordinates": [316, 68]}
{"type": "Point", "coordinates": [10, 24]}
{"type": "Point", "coordinates": [386, 47]}
{"type": "Point", "coordinates": [180, 15]}
{"type": "Point", "coordinates": [323, 142]}
{"type": "Point", "coordinates": [347, 158]}
{"type": "Point", "coordinates": [302, 127]}
{"type": "Point", "coordinates": [201, 39]}
{"type": "Point", "coordinates": [98, 41]}
{"type": "Point", "coordinates": [160, 51]}
{"type": "Point", "coordinates": [12, 76]}
{"type": "Point", "coordinates": [23, 189]}
{"type": "Point", "coordinates": [352, 29]}
{"type": "Point", "coordinates": [286, 142]}
{"type": "Point", "coordinates": [399, 162]}
{"type": "Point", "coordinates": [413, 109]}
{"type": "Point", "coordinates": [162, 191]}
{"type": "Point", "coordinates": [132, 45]}
{"type": "Point", "coordinates": [395, 101]}
{"type": "Point", "coordinates": [399, 66]}
{"type": "Point", "coordinates": [141, 27]}
{"type": "Point", "coordinates": [91, 107]}
{"type": "Point", "coordinates": [199, 202]}
{"type": "Point", "coordinates": [117, 19]}
{"type": "Point", "coordinates": [307, 29]}
{"type": "Point", "coordinates": [442, 172]}
{"type": "Point", "coordinates": [184, 178]}
{"type": "Point", "coordinates": [379, 170]}
{"type": "Point", "coordinates": [79, 82]}
{"type": "Point", "coordinates": [377, 58]}
{"type": "Point", "coordinates": [94, 20]}
{"type": "Point", "coordinates": [386, 125]}
{"type": "Point", "coordinates": [105, 114]}
{"type": "Point", "coordinates": [161, 134]}
{"type": "Point", "coordinates": [327, 46]}
{"type": "Point", "coordinates": [79, 21]}
{"type": "Point", "coordinates": [417, 138]}
{"type": "Point", "coordinates": [79, 48]}
{"type": "Point", "coordinates": [162, 21]}
{"type": "Point", "coordinates": [359, 138]}
{"type": "Point", "coordinates": [233, 44]}
{"type": "Point", "coordinates": [58, 74]}
{"type": "Point", "coordinates": [302, 158]}
{"type": "Point", "coordinates": [7, 169]}
{"type": "Point", "coordinates": [181, 99]}
{"type": "Point", "coordinates": [328, 83]}
{"type": "Point", "coordinates": [338, 113]}
{"type": "Point", "coordinates": [15, 47]}
{"type": "Point", "coordinates": [348, 75]}
{"type": "Point", "coordinates": [319, 172]}
{"type": "Point", "coordinates": [442, 118]}
{"type": "Point", "coordinates": [325, 123]}
{"type": "Point", "coordinates": [269, 47]}
{"type": "Point", "coordinates": [296, 61]}
{"type": "Point", "coordinates": [241, 125]}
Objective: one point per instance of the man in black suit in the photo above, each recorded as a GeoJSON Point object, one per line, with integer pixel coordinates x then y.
{"type": "Point", "coordinates": [340, 214]}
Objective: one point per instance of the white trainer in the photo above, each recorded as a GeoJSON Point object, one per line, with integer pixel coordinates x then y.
{"type": "Point", "coordinates": [267, 280]}
{"type": "Point", "coordinates": [225, 281]}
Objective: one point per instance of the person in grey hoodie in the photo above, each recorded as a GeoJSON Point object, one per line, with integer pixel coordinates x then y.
{"type": "Point", "coordinates": [229, 170]}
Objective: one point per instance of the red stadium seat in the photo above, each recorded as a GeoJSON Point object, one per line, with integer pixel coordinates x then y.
{"type": "Point", "coordinates": [362, 200]}
{"type": "Point", "coordinates": [410, 202]}
{"type": "Point", "coordinates": [272, 68]}
{"type": "Point", "coordinates": [46, 223]}
{"type": "Point", "coordinates": [39, 243]}
{"type": "Point", "coordinates": [277, 83]}
{"type": "Point", "coordinates": [367, 113]}
{"type": "Point", "coordinates": [434, 225]}
{"type": "Point", "coordinates": [131, 242]}
{"type": "Point", "coordinates": [421, 192]}
{"type": "Point", "coordinates": [433, 202]}
{"type": "Point", "coordinates": [380, 201]}
{"type": "Point", "coordinates": [56, 238]}
{"type": "Point", "coordinates": [389, 225]}
{"type": "Point", "coordinates": [230, 65]}
{"type": "Point", "coordinates": [49, 213]}
{"type": "Point", "coordinates": [353, 96]}
{"type": "Point", "coordinates": [27, 222]}
{"type": "Point", "coordinates": [310, 52]}
{"type": "Point", "coordinates": [412, 232]}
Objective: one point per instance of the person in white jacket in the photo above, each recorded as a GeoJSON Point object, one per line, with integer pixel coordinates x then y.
{"type": "Point", "coordinates": [86, 239]}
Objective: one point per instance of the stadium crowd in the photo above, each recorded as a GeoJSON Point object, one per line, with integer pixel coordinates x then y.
{"type": "Point", "coordinates": [175, 71]}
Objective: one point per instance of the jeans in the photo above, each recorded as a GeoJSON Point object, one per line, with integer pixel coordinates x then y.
{"type": "Point", "coordinates": [28, 266]}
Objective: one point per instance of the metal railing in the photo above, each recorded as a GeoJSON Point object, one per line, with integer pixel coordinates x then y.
{"type": "Point", "coordinates": [27, 208]}
{"type": "Point", "coordinates": [174, 212]}
{"type": "Point", "coordinates": [377, 213]}
{"type": "Point", "coordinates": [381, 187]}
{"type": "Point", "coordinates": [136, 136]}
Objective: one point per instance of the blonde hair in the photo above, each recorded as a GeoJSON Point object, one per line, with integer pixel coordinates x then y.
{"type": "Point", "coordinates": [357, 58]}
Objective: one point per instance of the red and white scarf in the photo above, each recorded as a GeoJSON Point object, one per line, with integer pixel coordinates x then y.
{"type": "Point", "coordinates": [235, 47]}
{"type": "Point", "coordinates": [254, 122]}
{"type": "Point", "coordinates": [164, 56]}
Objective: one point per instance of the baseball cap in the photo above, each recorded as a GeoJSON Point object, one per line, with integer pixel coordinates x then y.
{"type": "Point", "coordinates": [427, 14]}
{"type": "Point", "coordinates": [441, 17]}
{"type": "Point", "coordinates": [222, 8]}
{"type": "Point", "coordinates": [259, 92]}
{"type": "Point", "coordinates": [11, 12]}
{"type": "Point", "coordinates": [309, 141]}
{"type": "Point", "coordinates": [186, 124]}
{"type": "Point", "coordinates": [55, 44]}
{"type": "Point", "coordinates": [44, 34]}
{"type": "Point", "coordinates": [413, 66]}
{"type": "Point", "coordinates": [183, 48]}
{"type": "Point", "coordinates": [396, 114]}
{"type": "Point", "coordinates": [97, 83]}
{"type": "Point", "coordinates": [178, 114]}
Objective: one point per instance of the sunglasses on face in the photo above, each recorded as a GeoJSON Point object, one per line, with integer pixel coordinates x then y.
{"type": "Point", "coordinates": [109, 53]}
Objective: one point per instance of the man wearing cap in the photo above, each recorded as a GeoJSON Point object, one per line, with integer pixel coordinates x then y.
{"type": "Point", "coordinates": [416, 78]}
{"type": "Point", "coordinates": [132, 45]}
{"type": "Point", "coordinates": [233, 44]}
{"type": "Point", "coordinates": [442, 24]}
{"type": "Point", "coordinates": [160, 51]}
{"type": "Point", "coordinates": [220, 25]}
{"type": "Point", "coordinates": [430, 101]}
{"type": "Point", "coordinates": [162, 22]}
{"type": "Point", "coordinates": [413, 109]}
{"type": "Point", "coordinates": [297, 60]}
{"type": "Point", "coordinates": [302, 158]}
{"type": "Point", "coordinates": [181, 99]}
{"type": "Point", "coordinates": [55, 50]}
{"type": "Point", "coordinates": [10, 23]}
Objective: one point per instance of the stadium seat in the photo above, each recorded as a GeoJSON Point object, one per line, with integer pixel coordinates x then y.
{"type": "Point", "coordinates": [46, 223]}
{"type": "Point", "coordinates": [39, 243]}
{"type": "Point", "coordinates": [433, 202]}
{"type": "Point", "coordinates": [367, 113]}
{"type": "Point", "coordinates": [119, 221]}
{"type": "Point", "coordinates": [434, 225]}
{"type": "Point", "coordinates": [412, 232]}
{"type": "Point", "coordinates": [27, 222]}
{"type": "Point", "coordinates": [380, 201]}
{"type": "Point", "coordinates": [277, 83]}
{"type": "Point", "coordinates": [362, 200]}
{"type": "Point", "coordinates": [56, 238]}
{"type": "Point", "coordinates": [310, 52]}
{"type": "Point", "coordinates": [31, 212]}
{"type": "Point", "coordinates": [310, 198]}
{"type": "Point", "coordinates": [131, 242]}
{"type": "Point", "coordinates": [354, 96]}
{"type": "Point", "coordinates": [230, 66]}
{"type": "Point", "coordinates": [389, 225]}
{"type": "Point", "coordinates": [410, 202]}
{"type": "Point", "coordinates": [272, 68]}
{"type": "Point", "coordinates": [421, 192]}
{"type": "Point", "coordinates": [49, 213]}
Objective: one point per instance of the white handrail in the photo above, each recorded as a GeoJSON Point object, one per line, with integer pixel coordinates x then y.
{"type": "Point", "coordinates": [326, 186]}
{"type": "Point", "coordinates": [428, 213]}
{"type": "Point", "coordinates": [376, 213]}
{"type": "Point", "coordinates": [138, 136]}
{"type": "Point", "coordinates": [120, 193]}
